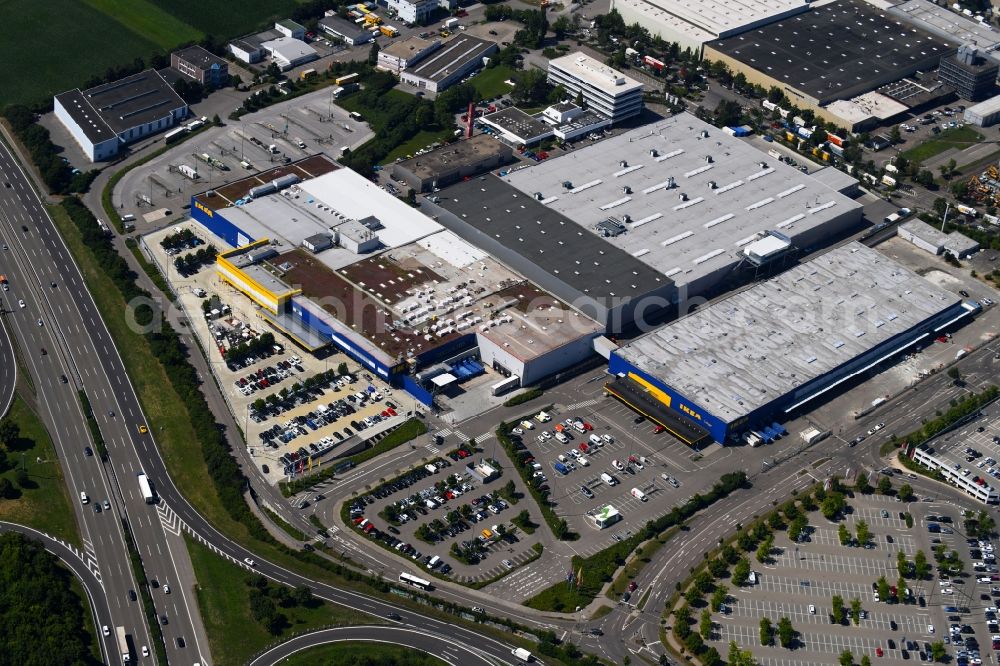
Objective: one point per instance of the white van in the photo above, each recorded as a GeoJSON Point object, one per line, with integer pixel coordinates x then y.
{"type": "Point", "coordinates": [608, 479]}
{"type": "Point", "coordinates": [542, 417]}
{"type": "Point", "coordinates": [562, 438]}
{"type": "Point", "coordinates": [434, 562]}
{"type": "Point", "coordinates": [639, 495]}
{"type": "Point", "coordinates": [595, 440]}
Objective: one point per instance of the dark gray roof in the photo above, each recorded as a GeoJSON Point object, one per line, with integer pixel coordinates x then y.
{"type": "Point", "coordinates": [106, 110]}
{"type": "Point", "coordinates": [837, 50]}
{"type": "Point", "coordinates": [342, 27]}
{"type": "Point", "coordinates": [548, 239]}
{"type": "Point", "coordinates": [452, 56]}
{"type": "Point", "coordinates": [200, 57]}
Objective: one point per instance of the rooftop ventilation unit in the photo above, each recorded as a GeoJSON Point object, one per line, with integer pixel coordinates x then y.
{"type": "Point", "coordinates": [626, 189]}
{"type": "Point", "coordinates": [653, 152]}
{"type": "Point", "coordinates": [623, 164]}
{"type": "Point", "coordinates": [708, 159]}
{"type": "Point", "coordinates": [704, 134]}
{"type": "Point", "coordinates": [712, 185]}
{"type": "Point", "coordinates": [682, 196]}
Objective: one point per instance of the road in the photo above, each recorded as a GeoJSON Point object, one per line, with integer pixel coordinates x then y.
{"type": "Point", "coordinates": [451, 653]}
{"type": "Point", "coordinates": [80, 568]}
{"type": "Point", "coordinates": [8, 366]}
{"type": "Point", "coordinates": [57, 330]}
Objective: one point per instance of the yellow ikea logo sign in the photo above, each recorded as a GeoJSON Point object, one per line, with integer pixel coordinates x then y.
{"type": "Point", "coordinates": [203, 208]}
{"type": "Point", "coordinates": [690, 412]}
{"type": "Point", "coordinates": [655, 392]}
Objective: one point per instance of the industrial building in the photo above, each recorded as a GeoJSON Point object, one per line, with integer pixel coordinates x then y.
{"type": "Point", "coordinates": [452, 162]}
{"type": "Point", "coordinates": [330, 258]}
{"type": "Point", "coordinates": [949, 25]}
{"type": "Point", "coordinates": [970, 73]}
{"type": "Point", "coordinates": [107, 117]}
{"type": "Point", "coordinates": [246, 50]}
{"type": "Point", "coordinates": [202, 65]}
{"type": "Point", "coordinates": [937, 242]}
{"type": "Point", "coordinates": [605, 90]}
{"type": "Point", "coordinates": [927, 457]}
{"type": "Point", "coordinates": [455, 59]}
{"type": "Point", "coordinates": [984, 114]}
{"type": "Point", "coordinates": [758, 356]}
{"type": "Point", "coordinates": [346, 31]}
{"type": "Point", "coordinates": [406, 53]}
{"type": "Point", "coordinates": [413, 11]}
{"type": "Point", "coordinates": [288, 52]}
{"type": "Point", "coordinates": [836, 51]}
{"type": "Point", "coordinates": [651, 217]}
{"type": "Point", "coordinates": [291, 29]}
{"type": "Point", "coordinates": [565, 121]}
{"type": "Point", "coordinates": [692, 24]}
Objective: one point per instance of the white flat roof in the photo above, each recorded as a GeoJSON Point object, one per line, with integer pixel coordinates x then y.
{"type": "Point", "coordinates": [985, 108]}
{"type": "Point", "coordinates": [596, 73]}
{"type": "Point", "coordinates": [289, 48]}
{"type": "Point", "coordinates": [706, 20]}
{"type": "Point", "coordinates": [747, 350]}
{"type": "Point", "coordinates": [946, 23]}
{"type": "Point", "coordinates": [329, 201]}
{"type": "Point", "coordinates": [683, 239]}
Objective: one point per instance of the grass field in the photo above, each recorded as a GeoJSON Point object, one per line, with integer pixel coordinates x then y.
{"type": "Point", "coordinates": [227, 18]}
{"type": "Point", "coordinates": [45, 503]}
{"type": "Point", "coordinates": [224, 601]}
{"type": "Point", "coordinates": [490, 82]}
{"type": "Point", "coordinates": [422, 139]}
{"type": "Point", "coordinates": [348, 654]}
{"type": "Point", "coordinates": [56, 45]}
{"type": "Point", "coordinates": [956, 137]}
{"type": "Point", "coordinates": [148, 20]}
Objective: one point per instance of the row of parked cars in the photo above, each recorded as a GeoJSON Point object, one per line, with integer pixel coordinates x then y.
{"type": "Point", "coordinates": [265, 377]}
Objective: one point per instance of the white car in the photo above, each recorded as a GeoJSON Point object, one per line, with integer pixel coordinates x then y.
{"type": "Point", "coordinates": [145, 651]}
{"type": "Point", "coordinates": [20, 302]}
{"type": "Point", "coordinates": [518, 431]}
{"type": "Point", "coordinates": [547, 435]}
{"type": "Point", "coordinates": [105, 630]}
{"type": "Point", "coordinates": [617, 465]}
{"type": "Point", "coordinates": [583, 461]}
{"type": "Point", "coordinates": [249, 562]}
{"type": "Point", "coordinates": [608, 439]}
{"type": "Point", "coordinates": [874, 429]}
{"type": "Point", "coordinates": [527, 425]}
{"type": "Point", "coordinates": [812, 609]}
{"type": "Point", "coordinates": [575, 453]}
{"type": "Point", "coordinates": [930, 628]}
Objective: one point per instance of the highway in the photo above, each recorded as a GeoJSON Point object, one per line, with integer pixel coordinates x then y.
{"type": "Point", "coordinates": [79, 345]}
{"type": "Point", "coordinates": [43, 276]}
{"type": "Point", "coordinates": [8, 366]}
{"type": "Point", "coordinates": [454, 655]}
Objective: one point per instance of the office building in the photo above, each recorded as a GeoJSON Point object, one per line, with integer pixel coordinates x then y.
{"type": "Point", "coordinates": [202, 65]}
{"type": "Point", "coordinates": [972, 75]}
{"type": "Point", "coordinates": [604, 90]}
{"type": "Point", "coordinates": [457, 58]}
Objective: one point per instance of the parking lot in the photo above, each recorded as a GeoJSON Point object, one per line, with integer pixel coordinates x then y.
{"type": "Point", "coordinates": [449, 505]}
{"type": "Point", "coordinates": [297, 128]}
{"type": "Point", "coordinates": [292, 430]}
{"type": "Point", "coordinates": [801, 579]}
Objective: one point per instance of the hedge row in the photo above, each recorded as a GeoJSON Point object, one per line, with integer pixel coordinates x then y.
{"type": "Point", "coordinates": [524, 397]}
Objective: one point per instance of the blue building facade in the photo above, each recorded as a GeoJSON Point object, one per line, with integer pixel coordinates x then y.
{"type": "Point", "coordinates": [779, 409]}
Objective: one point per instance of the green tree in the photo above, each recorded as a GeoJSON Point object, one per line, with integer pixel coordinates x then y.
{"type": "Point", "coordinates": [774, 521]}
{"type": "Point", "coordinates": [705, 625]}
{"type": "Point", "coordinates": [9, 432]}
{"type": "Point", "coordinates": [694, 643]}
{"type": "Point", "coordinates": [844, 535]}
{"type": "Point", "coordinates": [7, 490]}
{"type": "Point", "coordinates": [786, 633]}
{"type": "Point", "coordinates": [745, 541]}
{"type": "Point", "coordinates": [738, 657]}
{"type": "Point", "coordinates": [797, 527]}
{"type": "Point", "coordinates": [711, 657]}
{"type": "Point", "coordinates": [766, 632]}
{"type": "Point", "coordinates": [921, 568]}
{"type": "Point", "coordinates": [719, 597]}
{"type": "Point", "coordinates": [865, 660]}
{"type": "Point", "coordinates": [741, 572]}
{"type": "Point", "coordinates": [863, 533]}
{"type": "Point", "coordinates": [884, 485]}
{"type": "Point", "coordinates": [856, 610]}
{"type": "Point", "coordinates": [905, 493]}
{"type": "Point", "coordinates": [833, 505]}
{"type": "Point", "coordinates": [902, 564]}
{"type": "Point", "coordinates": [938, 651]}
{"type": "Point", "coordinates": [862, 485]}
{"type": "Point", "coordinates": [717, 567]}
{"type": "Point", "coordinates": [846, 658]}
{"type": "Point", "coordinates": [901, 589]}
{"type": "Point", "coordinates": [764, 551]}
{"type": "Point", "coordinates": [837, 609]}
{"type": "Point", "coordinates": [883, 589]}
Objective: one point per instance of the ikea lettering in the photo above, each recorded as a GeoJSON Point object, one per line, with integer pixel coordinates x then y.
{"type": "Point", "coordinates": [690, 412]}
{"type": "Point", "coordinates": [203, 208]}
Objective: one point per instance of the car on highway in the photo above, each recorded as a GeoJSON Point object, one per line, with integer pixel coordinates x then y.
{"type": "Point", "coordinates": [63, 379]}
{"type": "Point", "coordinates": [20, 303]}
{"type": "Point", "coordinates": [875, 428]}
{"type": "Point", "coordinates": [107, 505]}
{"type": "Point", "coordinates": [145, 651]}
{"type": "Point", "coordinates": [87, 451]}
{"type": "Point", "coordinates": [163, 619]}
{"type": "Point", "coordinates": [39, 322]}
{"type": "Point", "coordinates": [249, 562]}
{"type": "Point", "coordinates": [105, 630]}
{"type": "Point", "coordinates": [97, 508]}
{"type": "Point", "coordinates": [83, 497]}
{"type": "Point", "coordinates": [166, 589]}
{"type": "Point", "coordinates": [131, 595]}
{"type": "Point", "coordinates": [143, 429]}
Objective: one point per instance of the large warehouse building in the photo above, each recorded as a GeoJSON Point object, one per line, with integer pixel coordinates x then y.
{"type": "Point", "coordinates": [651, 217]}
{"type": "Point", "coordinates": [104, 118]}
{"type": "Point", "coordinates": [691, 24]}
{"type": "Point", "coordinates": [834, 52]}
{"type": "Point", "coordinates": [758, 356]}
{"type": "Point", "coordinates": [330, 258]}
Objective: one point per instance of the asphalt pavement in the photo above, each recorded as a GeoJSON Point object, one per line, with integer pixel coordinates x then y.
{"type": "Point", "coordinates": [8, 365]}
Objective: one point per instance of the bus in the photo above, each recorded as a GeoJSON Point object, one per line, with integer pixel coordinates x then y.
{"type": "Point", "coordinates": [123, 644]}
{"type": "Point", "coordinates": [415, 582]}
{"type": "Point", "coordinates": [175, 134]}
{"type": "Point", "coordinates": [146, 488]}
